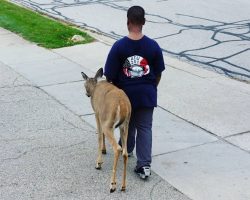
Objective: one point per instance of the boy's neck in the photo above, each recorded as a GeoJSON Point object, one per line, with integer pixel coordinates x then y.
{"type": "Point", "coordinates": [135, 35]}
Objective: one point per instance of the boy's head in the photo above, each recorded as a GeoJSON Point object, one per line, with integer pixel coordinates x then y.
{"type": "Point", "coordinates": [136, 15]}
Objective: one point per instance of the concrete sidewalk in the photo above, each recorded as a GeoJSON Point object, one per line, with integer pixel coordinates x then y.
{"type": "Point", "coordinates": [47, 150]}
{"type": "Point", "coordinates": [201, 144]}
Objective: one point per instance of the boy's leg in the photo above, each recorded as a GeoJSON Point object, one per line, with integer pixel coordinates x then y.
{"type": "Point", "coordinates": [131, 133]}
{"type": "Point", "coordinates": [143, 119]}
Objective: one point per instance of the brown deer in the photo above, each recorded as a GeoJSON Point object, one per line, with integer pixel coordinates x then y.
{"type": "Point", "coordinates": [112, 109]}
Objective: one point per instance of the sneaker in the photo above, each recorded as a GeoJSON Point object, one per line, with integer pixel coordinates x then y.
{"type": "Point", "coordinates": [144, 172]}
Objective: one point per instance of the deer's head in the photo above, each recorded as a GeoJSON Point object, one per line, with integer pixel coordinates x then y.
{"type": "Point", "coordinates": [90, 83]}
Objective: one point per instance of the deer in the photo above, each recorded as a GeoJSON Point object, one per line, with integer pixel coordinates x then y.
{"type": "Point", "coordinates": [112, 109]}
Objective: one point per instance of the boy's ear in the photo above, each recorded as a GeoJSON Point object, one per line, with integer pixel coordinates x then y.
{"type": "Point", "coordinates": [99, 73]}
{"type": "Point", "coordinates": [85, 77]}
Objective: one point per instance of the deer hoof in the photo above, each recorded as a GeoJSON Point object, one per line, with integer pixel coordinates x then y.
{"type": "Point", "coordinates": [98, 166]}
{"type": "Point", "coordinates": [123, 189]}
{"type": "Point", "coordinates": [112, 187]}
{"type": "Point", "coordinates": [112, 190]}
{"type": "Point", "coordinates": [104, 151]}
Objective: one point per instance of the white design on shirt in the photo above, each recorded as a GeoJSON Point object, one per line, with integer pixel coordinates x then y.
{"type": "Point", "coordinates": [136, 66]}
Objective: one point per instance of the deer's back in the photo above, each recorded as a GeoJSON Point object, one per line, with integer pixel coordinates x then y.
{"type": "Point", "coordinates": [108, 97]}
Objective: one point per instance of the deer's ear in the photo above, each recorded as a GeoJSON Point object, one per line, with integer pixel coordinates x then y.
{"type": "Point", "coordinates": [85, 77]}
{"type": "Point", "coordinates": [99, 73]}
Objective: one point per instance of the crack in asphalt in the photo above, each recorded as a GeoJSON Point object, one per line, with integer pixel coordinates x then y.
{"type": "Point", "coordinates": [152, 189]}
{"type": "Point", "coordinates": [220, 64]}
{"type": "Point", "coordinates": [40, 148]}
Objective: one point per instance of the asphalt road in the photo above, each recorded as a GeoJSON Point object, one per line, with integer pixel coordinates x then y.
{"type": "Point", "coordinates": [211, 34]}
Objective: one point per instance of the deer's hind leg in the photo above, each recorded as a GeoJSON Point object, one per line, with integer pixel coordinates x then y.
{"type": "Point", "coordinates": [124, 137]}
{"type": "Point", "coordinates": [104, 151]}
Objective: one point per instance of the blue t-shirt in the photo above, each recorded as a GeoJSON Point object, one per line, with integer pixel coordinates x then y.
{"type": "Point", "coordinates": [133, 66]}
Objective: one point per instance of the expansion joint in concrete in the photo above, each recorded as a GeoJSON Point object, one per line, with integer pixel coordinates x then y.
{"type": "Point", "coordinates": [41, 86]}
{"type": "Point", "coordinates": [238, 134]}
{"type": "Point", "coordinates": [223, 139]}
{"type": "Point", "coordinates": [183, 149]}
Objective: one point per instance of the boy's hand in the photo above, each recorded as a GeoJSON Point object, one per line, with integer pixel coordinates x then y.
{"type": "Point", "coordinates": [158, 78]}
{"type": "Point", "coordinates": [108, 80]}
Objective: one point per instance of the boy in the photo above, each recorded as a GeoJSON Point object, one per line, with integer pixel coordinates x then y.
{"type": "Point", "coordinates": [135, 64]}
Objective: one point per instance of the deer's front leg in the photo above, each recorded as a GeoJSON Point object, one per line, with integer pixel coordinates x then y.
{"type": "Point", "coordinates": [100, 144]}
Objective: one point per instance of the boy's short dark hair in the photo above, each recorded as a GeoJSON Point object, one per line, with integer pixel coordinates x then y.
{"type": "Point", "coordinates": [136, 15]}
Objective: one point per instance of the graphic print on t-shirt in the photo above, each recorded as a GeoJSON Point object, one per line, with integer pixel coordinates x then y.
{"type": "Point", "coordinates": [136, 66]}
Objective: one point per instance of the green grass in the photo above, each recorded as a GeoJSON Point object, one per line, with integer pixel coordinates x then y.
{"type": "Point", "coordinates": [37, 28]}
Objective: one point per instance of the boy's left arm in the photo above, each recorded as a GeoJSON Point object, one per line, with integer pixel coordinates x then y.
{"type": "Point", "coordinates": [111, 68]}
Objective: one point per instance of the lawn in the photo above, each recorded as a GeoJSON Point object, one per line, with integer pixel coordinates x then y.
{"type": "Point", "coordinates": [38, 28]}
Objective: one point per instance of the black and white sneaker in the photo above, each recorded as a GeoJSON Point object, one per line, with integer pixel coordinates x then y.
{"type": "Point", "coordinates": [144, 172]}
